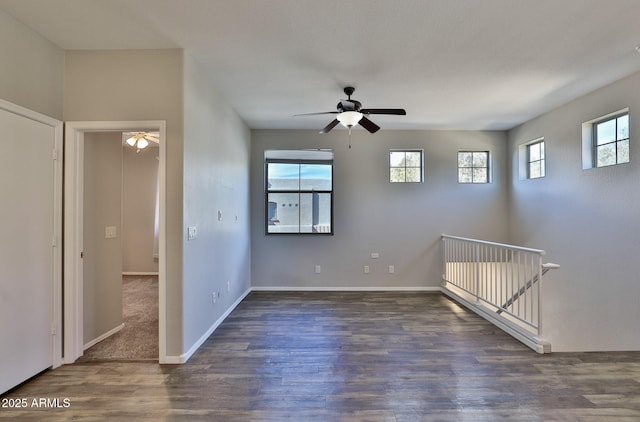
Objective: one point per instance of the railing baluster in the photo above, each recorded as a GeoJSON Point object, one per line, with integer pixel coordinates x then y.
{"type": "Point", "coordinates": [502, 276]}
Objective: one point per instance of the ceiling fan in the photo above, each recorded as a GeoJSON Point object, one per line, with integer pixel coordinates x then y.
{"type": "Point", "coordinates": [140, 140]}
{"type": "Point", "coordinates": [350, 113]}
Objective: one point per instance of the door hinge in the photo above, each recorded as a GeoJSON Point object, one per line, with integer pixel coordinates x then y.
{"type": "Point", "coordinates": [54, 155]}
{"type": "Point", "coordinates": [53, 329]}
{"type": "Point", "coordinates": [54, 241]}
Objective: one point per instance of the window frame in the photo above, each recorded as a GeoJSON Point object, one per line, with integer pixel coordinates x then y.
{"type": "Point", "coordinates": [488, 167]}
{"type": "Point", "coordinates": [299, 192]}
{"type": "Point", "coordinates": [542, 160]}
{"type": "Point", "coordinates": [594, 138]}
{"type": "Point", "coordinates": [405, 167]}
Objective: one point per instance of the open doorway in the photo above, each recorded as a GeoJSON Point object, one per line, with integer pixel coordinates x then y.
{"type": "Point", "coordinates": [120, 246]}
{"type": "Point", "coordinates": [74, 309]}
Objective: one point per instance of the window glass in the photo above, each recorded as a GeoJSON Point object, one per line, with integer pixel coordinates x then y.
{"type": "Point", "coordinates": [283, 176]}
{"type": "Point", "coordinates": [611, 141]}
{"type": "Point", "coordinates": [315, 176]}
{"type": "Point", "coordinates": [299, 192]}
{"type": "Point", "coordinates": [405, 166]}
{"type": "Point", "coordinates": [473, 167]}
{"type": "Point", "coordinates": [535, 160]}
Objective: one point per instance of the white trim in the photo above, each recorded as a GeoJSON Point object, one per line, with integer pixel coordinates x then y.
{"type": "Point", "coordinates": [502, 245]}
{"type": "Point", "coordinates": [141, 273]}
{"type": "Point", "coordinates": [74, 152]}
{"type": "Point", "coordinates": [102, 337]}
{"type": "Point", "coordinates": [528, 339]}
{"type": "Point", "coordinates": [56, 317]}
{"type": "Point", "coordinates": [183, 358]}
{"type": "Point", "coordinates": [346, 289]}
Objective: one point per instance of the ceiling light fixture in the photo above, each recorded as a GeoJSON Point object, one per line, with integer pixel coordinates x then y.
{"type": "Point", "coordinates": [349, 118]}
{"type": "Point", "coordinates": [138, 141]}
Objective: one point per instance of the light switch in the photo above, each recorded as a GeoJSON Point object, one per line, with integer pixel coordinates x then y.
{"type": "Point", "coordinates": [192, 232]}
{"type": "Point", "coordinates": [110, 232]}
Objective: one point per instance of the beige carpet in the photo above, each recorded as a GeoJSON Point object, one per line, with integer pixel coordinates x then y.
{"type": "Point", "coordinates": [139, 337]}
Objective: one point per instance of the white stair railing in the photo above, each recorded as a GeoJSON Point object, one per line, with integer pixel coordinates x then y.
{"type": "Point", "coordinates": [496, 279]}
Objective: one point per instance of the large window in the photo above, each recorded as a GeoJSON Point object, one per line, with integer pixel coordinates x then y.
{"type": "Point", "coordinates": [299, 192]}
{"type": "Point", "coordinates": [535, 160]}
{"type": "Point", "coordinates": [405, 166]}
{"type": "Point", "coordinates": [473, 167]}
{"type": "Point", "coordinates": [611, 141]}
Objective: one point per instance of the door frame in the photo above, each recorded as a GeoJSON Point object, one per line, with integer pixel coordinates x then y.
{"type": "Point", "coordinates": [73, 228]}
{"type": "Point", "coordinates": [57, 155]}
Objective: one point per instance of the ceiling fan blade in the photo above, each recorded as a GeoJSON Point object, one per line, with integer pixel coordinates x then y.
{"type": "Point", "coordinates": [330, 126]}
{"type": "Point", "coordinates": [395, 111]}
{"type": "Point", "coordinates": [314, 114]}
{"type": "Point", "coordinates": [369, 125]}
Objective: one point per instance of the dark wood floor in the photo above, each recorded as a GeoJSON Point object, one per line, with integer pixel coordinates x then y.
{"type": "Point", "coordinates": [348, 357]}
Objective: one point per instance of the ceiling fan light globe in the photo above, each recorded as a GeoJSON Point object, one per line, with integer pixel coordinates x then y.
{"type": "Point", "coordinates": [143, 143]}
{"type": "Point", "coordinates": [349, 118]}
{"type": "Point", "coordinates": [131, 141]}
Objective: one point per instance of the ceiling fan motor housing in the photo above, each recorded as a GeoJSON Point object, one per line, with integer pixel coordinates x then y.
{"type": "Point", "coordinates": [348, 105]}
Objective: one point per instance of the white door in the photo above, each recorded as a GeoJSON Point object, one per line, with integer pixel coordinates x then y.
{"type": "Point", "coordinates": [26, 252]}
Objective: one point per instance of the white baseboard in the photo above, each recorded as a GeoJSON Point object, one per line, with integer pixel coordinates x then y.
{"type": "Point", "coordinates": [528, 339]}
{"type": "Point", "coordinates": [140, 273]}
{"type": "Point", "coordinates": [102, 337]}
{"type": "Point", "coordinates": [183, 358]}
{"type": "Point", "coordinates": [346, 289]}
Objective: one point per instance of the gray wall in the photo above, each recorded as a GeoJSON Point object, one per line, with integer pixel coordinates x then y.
{"type": "Point", "coordinates": [216, 178]}
{"type": "Point", "coordinates": [587, 221]}
{"type": "Point", "coordinates": [401, 222]}
{"type": "Point", "coordinates": [31, 69]}
{"type": "Point", "coordinates": [140, 180]}
{"type": "Point", "coordinates": [102, 263]}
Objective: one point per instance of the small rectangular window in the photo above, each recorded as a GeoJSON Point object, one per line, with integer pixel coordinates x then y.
{"type": "Point", "coordinates": [473, 167]}
{"type": "Point", "coordinates": [299, 192]}
{"type": "Point", "coordinates": [611, 141]}
{"type": "Point", "coordinates": [536, 160]}
{"type": "Point", "coordinates": [405, 166]}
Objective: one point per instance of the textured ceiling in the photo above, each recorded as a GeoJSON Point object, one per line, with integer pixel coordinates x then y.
{"type": "Point", "coordinates": [463, 64]}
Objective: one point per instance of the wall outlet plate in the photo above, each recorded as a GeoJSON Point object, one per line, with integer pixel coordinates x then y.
{"type": "Point", "coordinates": [110, 232]}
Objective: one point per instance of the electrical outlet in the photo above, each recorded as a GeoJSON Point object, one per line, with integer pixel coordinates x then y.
{"type": "Point", "coordinates": [392, 269]}
{"type": "Point", "coordinates": [214, 297]}
{"type": "Point", "coordinates": [366, 269]}
{"type": "Point", "coordinates": [318, 269]}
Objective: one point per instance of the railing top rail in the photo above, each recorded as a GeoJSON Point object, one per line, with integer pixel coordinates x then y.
{"type": "Point", "coordinates": [501, 245]}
